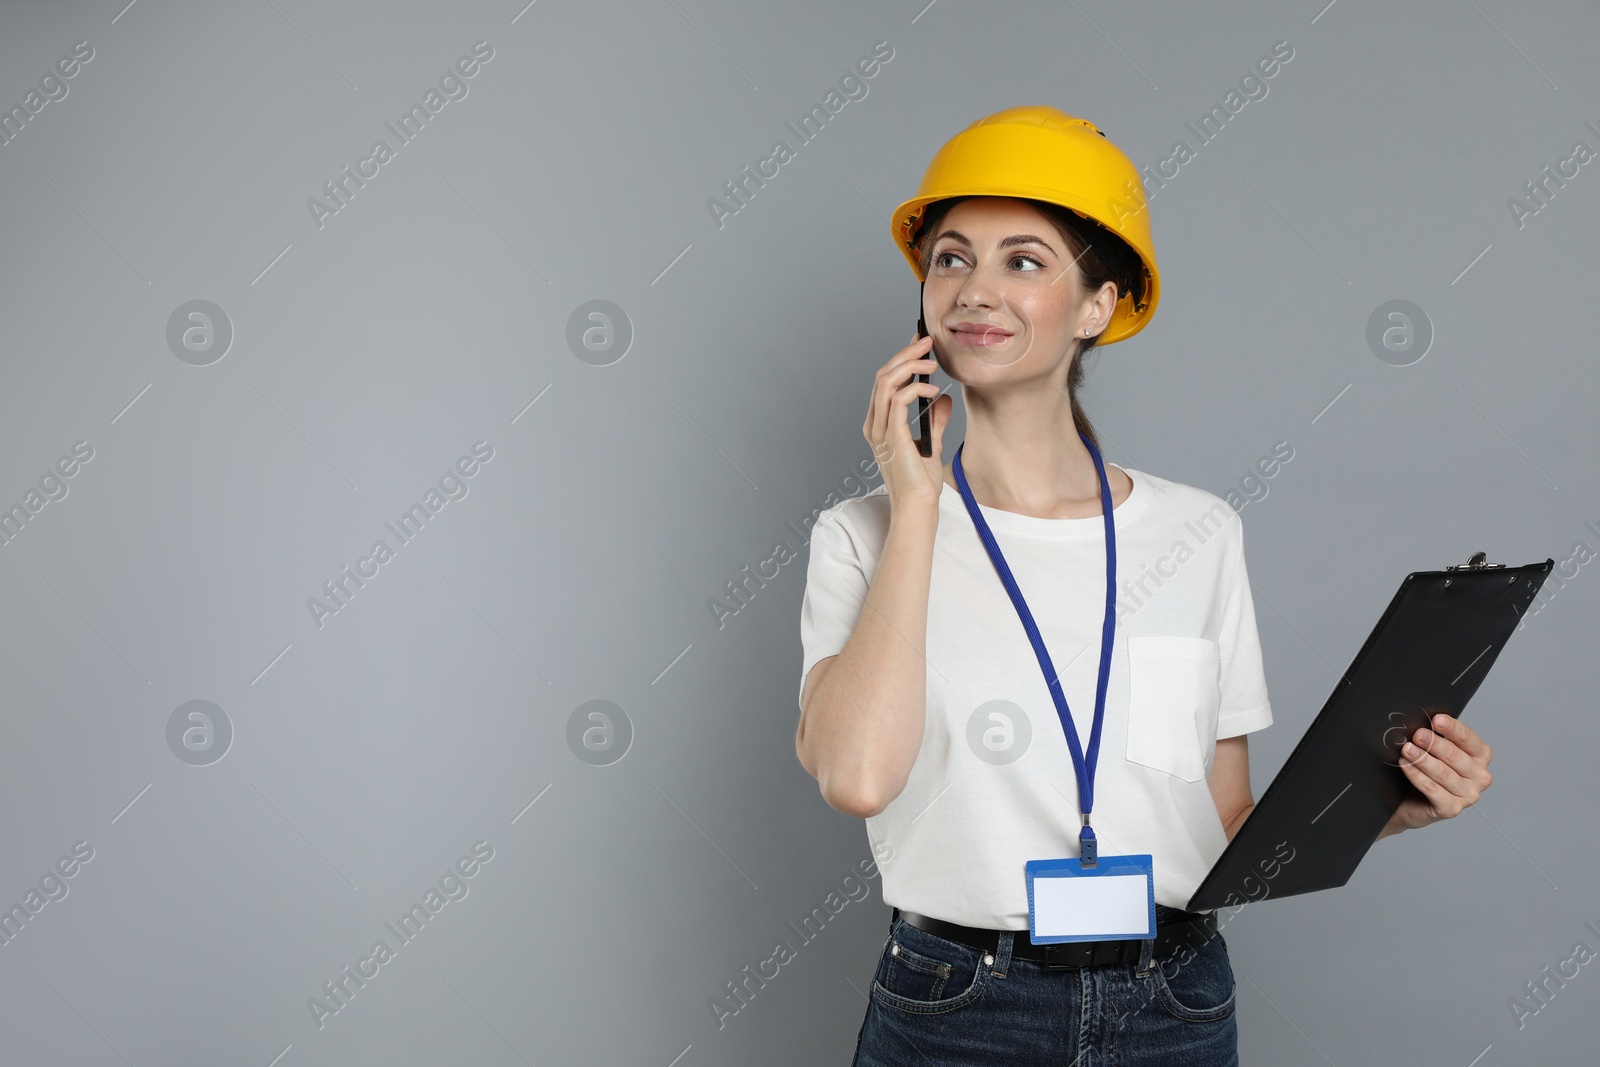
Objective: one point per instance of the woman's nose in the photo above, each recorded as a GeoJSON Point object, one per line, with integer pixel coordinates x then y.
{"type": "Point", "coordinates": [981, 289]}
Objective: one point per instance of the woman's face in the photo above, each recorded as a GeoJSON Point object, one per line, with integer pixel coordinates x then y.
{"type": "Point", "coordinates": [1003, 291]}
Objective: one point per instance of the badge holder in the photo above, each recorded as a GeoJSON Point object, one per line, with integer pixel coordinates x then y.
{"type": "Point", "coordinates": [1112, 899]}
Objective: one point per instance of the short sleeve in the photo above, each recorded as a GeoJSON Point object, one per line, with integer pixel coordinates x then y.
{"type": "Point", "coordinates": [836, 589]}
{"type": "Point", "coordinates": [1245, 707]}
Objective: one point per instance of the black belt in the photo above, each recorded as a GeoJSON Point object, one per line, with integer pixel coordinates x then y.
{"type": "Point", "coordinates": [1175, 929]}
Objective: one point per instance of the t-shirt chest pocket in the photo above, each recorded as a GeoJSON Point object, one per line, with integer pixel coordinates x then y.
{"type": "Point", "coordinates": [1173, 698]}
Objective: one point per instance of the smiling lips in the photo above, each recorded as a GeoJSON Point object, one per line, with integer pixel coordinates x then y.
{"type": "Point", "coordinates": [978, 334]}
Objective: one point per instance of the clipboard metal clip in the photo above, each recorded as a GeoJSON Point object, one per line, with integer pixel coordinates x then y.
{"type": "Point", "coordinates": [1477, 562]}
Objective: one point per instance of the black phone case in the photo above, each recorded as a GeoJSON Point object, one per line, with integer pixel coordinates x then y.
{"type": "Point", "coordinates": [924, 419]}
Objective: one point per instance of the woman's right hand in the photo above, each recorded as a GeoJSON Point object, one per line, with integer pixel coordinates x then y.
{"type": "Point", "coordinates": [911, 479]}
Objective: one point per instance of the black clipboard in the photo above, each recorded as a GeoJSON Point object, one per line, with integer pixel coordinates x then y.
{"type": "Point", "coordinates": [1431, 649]}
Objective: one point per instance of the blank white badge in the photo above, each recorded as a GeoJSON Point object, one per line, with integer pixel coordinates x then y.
{"type": "Point", "coordinates": [1116, 901]}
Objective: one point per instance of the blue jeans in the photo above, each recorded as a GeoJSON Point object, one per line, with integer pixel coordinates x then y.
{"type": "Point", "coordinates": [939, 1003]}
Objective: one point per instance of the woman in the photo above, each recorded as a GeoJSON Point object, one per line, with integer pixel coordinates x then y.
{"type": "Point", "coordinates": [925, 705]}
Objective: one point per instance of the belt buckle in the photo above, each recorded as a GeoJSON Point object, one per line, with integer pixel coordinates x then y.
{"type": "Point", "coordinates": [1057, 958]}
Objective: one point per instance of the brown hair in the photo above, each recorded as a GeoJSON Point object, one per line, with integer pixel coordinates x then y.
{"type": "Point", "coordinates": [1101, 256]}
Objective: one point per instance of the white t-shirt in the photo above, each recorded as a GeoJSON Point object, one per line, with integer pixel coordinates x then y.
{"type": "Point", "coordinates": [993, 785]}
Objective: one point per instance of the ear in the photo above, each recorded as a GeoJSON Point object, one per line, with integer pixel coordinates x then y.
{"type": "Point", "coordinates": [1105, 302]}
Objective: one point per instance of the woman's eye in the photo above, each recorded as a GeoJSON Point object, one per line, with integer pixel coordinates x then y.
{"type": "Point", "coordinates": [939, 258]}
{"type": "Point", "coordinates": [1027, 259]}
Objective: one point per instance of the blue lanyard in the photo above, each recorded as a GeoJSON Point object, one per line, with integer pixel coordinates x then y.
{"type": "Point", "coordinates": [1087, 849]}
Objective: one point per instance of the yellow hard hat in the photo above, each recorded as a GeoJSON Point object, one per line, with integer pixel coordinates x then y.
{"type": "Point", "coordinates": [1042, 153]}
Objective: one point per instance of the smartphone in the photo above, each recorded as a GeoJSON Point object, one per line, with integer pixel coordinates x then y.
{"type": "Point", "coordinates": [924, 420]}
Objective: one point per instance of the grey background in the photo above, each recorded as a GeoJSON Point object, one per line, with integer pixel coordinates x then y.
{"type": "Point", "coordinates": [429, 313]}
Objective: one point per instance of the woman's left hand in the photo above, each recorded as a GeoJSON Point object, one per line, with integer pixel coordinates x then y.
{"type": "Point", "coordinates": [1449, 765]}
